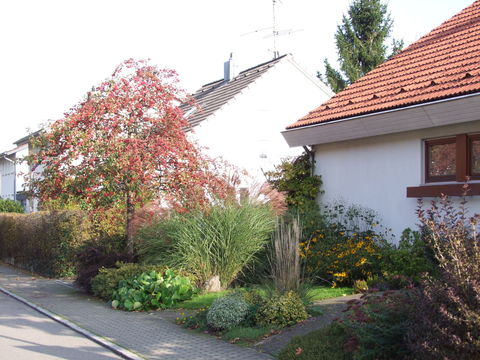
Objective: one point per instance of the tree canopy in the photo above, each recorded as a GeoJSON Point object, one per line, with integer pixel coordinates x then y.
{"type": "Point", "coordinates": [122, 146]}
{"type": "Point", "coordinates": [360, 41]}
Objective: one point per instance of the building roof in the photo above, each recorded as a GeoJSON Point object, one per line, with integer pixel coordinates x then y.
{"type": "Point", "coordinates": [212, 96]}
{"type": "Point", "coordinates": [27, 138]}
{"type": "Point", "coordinates": [443, 64]}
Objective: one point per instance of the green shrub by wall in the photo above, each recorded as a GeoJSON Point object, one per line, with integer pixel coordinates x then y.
{"type": "Point", "coordinates": [10, 206]}
{"type": "Point", "coordinates": [43, 242]}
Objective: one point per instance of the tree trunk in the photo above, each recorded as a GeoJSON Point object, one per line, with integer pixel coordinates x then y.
{"type": "Point", "coordinates": [130, 211]}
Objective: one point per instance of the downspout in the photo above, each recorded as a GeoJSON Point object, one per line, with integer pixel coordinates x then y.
{"type": "Point", "coordinates": [312, 159]}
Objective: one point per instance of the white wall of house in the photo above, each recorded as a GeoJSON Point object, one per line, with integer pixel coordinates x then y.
{"type": "Point", "coordinates": [12, 176]}
{"type": "Point", "coordinates": [247, 131]}
{"type": "Point", "coordinates": [7, 177]}
{"type": "Point", "coordinates": [374, 172]}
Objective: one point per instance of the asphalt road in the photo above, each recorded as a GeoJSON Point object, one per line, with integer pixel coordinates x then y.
{"type": "Point", "coordinates": [28, 335]}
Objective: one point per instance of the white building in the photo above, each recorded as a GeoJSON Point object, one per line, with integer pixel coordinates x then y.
{"type": "Point", "coordinates": [240, 117]}
{"type": "Point", "coordinates": [12, 174]}
{"type": "Point", "coordinates": [408, 129]}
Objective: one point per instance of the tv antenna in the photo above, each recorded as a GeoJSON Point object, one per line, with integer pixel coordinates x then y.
{"type": "Point", "coordinates": [274, 32]}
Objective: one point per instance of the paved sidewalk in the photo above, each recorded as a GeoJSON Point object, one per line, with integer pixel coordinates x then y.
{"type": "Point", "coordinates": [150, 335]}
{"type": "Point", "coordinates": [27, 334]}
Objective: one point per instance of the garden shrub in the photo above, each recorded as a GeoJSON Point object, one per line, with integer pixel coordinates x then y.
{"type": "Point", "coordinates": [10, 206]}
{"type": "Point", "coordinates": [360, 286]}
{"type": "Point", "coordinates": [282, 310]}
{"type": "Point", "coordinates": [294, 176]}
{"type": "Point", "coordinates": [255, 301]}
{"type": "Point", "coordinates": [152, 290]}
{"type": "Point", "coordinates": [447, 316]}
{"type": "Point", "coordinates": [411, 258]}
{"type": "Point", "coordinates": [95, 255]}
{"type": "Point", "coordinates": [107, 280]}
{"type": "Point", "coordinates": [220, 241]}
{"type": "Point", "coordinates": [43, 242]}
{"type": "Point", "coordinates": [378, 326]}
{"type": "Point", "coordinates": [347, 248]}
{"type": "Point", "coordinates": [227, 312]}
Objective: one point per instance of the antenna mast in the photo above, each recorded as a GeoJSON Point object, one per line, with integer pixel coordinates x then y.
{"type": "Point", "coordinates": [275, 32]}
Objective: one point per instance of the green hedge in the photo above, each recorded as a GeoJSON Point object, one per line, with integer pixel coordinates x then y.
{"type": "Point", "coordinates": [10, 206]}
{"type": "Point", "coordinates": [43, 242]}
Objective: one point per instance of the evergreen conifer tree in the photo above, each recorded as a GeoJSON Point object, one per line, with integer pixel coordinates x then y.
{"type": "Point", "coordinates": [360, 41]}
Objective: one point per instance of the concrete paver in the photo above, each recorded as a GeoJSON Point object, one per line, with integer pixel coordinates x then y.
{"type": "Point", "coordinates": [27, 334]}
{"type": "Point", "coordinates": [151, 335]}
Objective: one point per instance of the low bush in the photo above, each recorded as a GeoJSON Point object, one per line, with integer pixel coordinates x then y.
{"type": "Point", "coordinates": [10, 206]}
{"type": "Point", "coordinates": [447, 316]}
{"type": "Point", "coordinates": [411, 258]}
{"type": "Point", "coordinates": [282, 310]}
{"type": "Point", "coordinates": [378, 326]}
{"type": "Point", "coordinates": [43, 242]}
{"type": "Point", "coordinates": [227, 312]}
{"type": "Point", "coordinates": [151, 291]}
{"type": "Point", "coordinates": [95, 255]}
{"type": "Point", "coordinates": [107, 280]}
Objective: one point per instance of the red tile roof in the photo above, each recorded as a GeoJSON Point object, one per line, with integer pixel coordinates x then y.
{"type": "Point", "coordinates": [442, 64]}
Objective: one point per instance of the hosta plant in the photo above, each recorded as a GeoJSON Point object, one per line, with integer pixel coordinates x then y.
{"type": "Point", "coordinates": [151, 291]}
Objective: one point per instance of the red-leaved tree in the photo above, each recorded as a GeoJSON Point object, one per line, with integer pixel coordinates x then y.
{"type": "Point", "coordinates": [122, 146]}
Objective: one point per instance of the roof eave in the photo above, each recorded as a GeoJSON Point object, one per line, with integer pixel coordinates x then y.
{"type": "Point", "coordinates": [420, 116]}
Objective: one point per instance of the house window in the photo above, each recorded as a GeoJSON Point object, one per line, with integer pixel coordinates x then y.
{"type": "Point", "coordinates": [474, 155]}
{"type": "Point", "coordinates": [452, 159]}
{"type": "Point", "coordinates": [440, 160]}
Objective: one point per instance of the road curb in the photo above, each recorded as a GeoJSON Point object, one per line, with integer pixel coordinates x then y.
{"type": "Point", "coordinates": [124, 353]}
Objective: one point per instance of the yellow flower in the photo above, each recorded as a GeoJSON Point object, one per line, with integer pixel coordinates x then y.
{"type": "Point", "coordinates": [361, 262]}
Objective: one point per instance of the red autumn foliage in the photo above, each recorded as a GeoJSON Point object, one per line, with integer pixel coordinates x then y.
{"type": "Point", "coordinates": [123, 146]}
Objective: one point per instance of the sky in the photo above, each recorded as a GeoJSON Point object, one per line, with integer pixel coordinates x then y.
{"type": "Point", "coordinates": [54, 51]}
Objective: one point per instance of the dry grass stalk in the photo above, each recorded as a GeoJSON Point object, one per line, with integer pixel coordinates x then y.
{"type": "Point", "coordinates": [286, 256]}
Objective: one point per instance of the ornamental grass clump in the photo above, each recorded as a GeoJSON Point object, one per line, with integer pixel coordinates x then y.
{"type": "Point", "coordinates": [285, 255]}
{"type": "Point", "coordinates": [447, 318]}
{"type": "Point", "coordinates": [219, 241]}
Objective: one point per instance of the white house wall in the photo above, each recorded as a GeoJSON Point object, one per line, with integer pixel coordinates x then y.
{"type": "Point", "coordinates": [247, 131]}
{"type": "Point", "coordinates": [375, 172]}
{"type": "Point", "coordinates": [7, 174]}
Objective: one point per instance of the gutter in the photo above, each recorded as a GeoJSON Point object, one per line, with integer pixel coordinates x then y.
{"type": "Point", "coordinates": [407, 118]}
{"type": "Point", "coordinates": [380, 112]}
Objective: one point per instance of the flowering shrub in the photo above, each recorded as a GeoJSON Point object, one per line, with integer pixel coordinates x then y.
{"type": "Point", "coordinates": [346, 249]}
{"type": "Point", "coordinates": [227, 312]}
